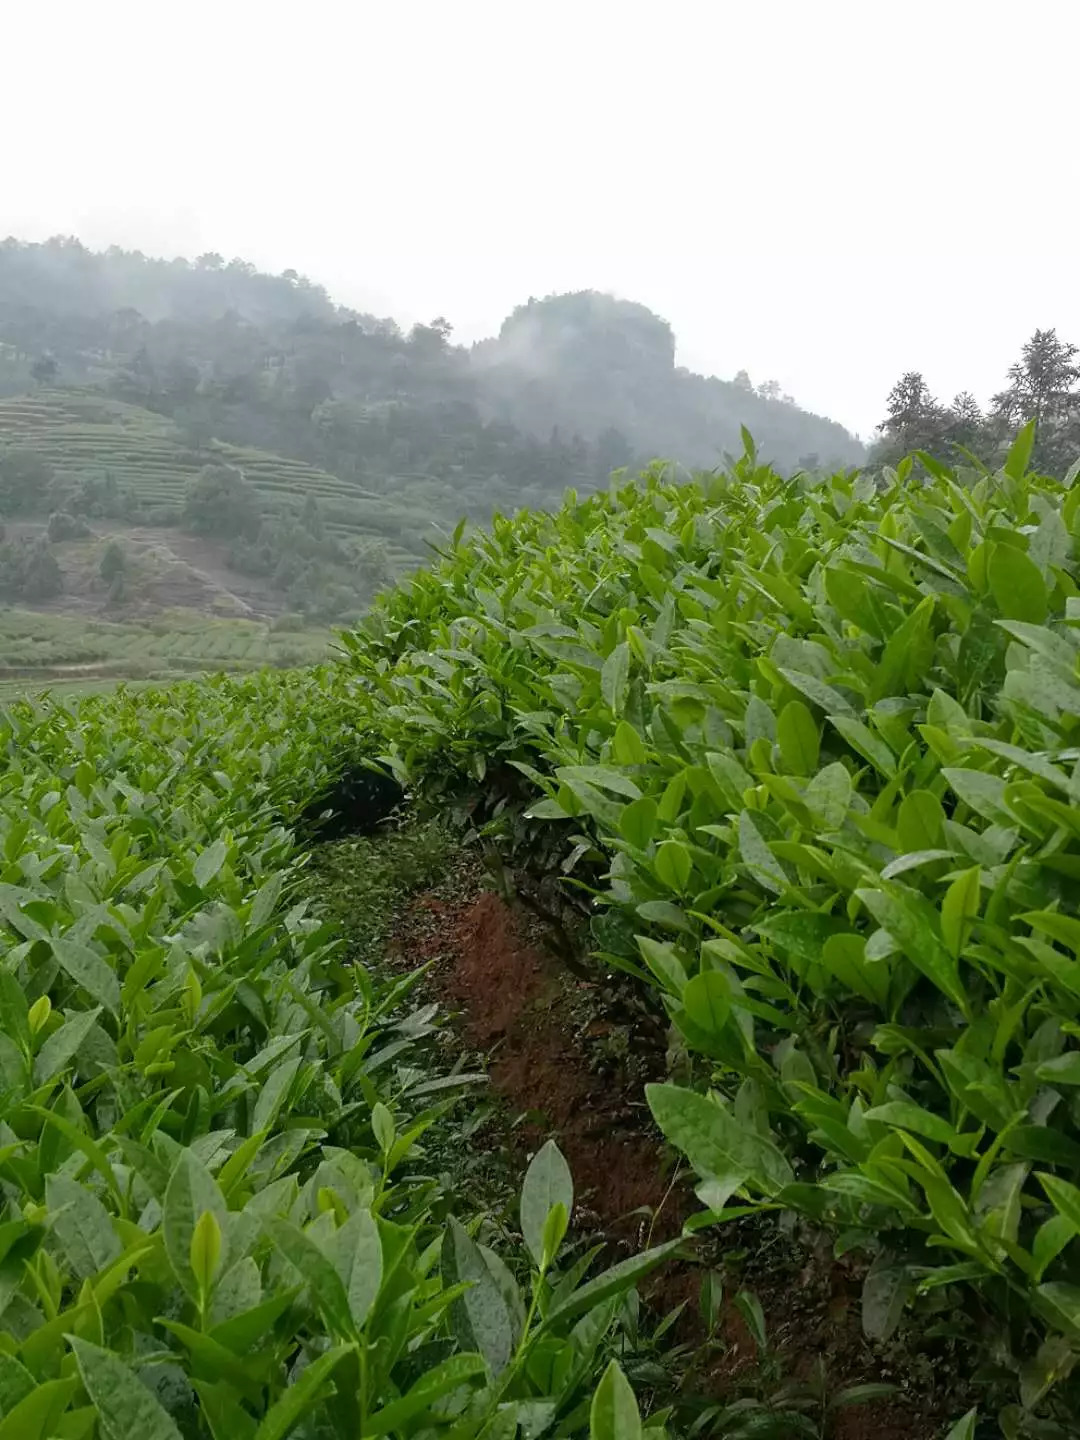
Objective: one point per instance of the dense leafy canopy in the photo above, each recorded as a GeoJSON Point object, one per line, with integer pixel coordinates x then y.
{"type": "Point", "coordinates": [813, 745]}
{"type": "Point", "coordinates": [1043, 390]}
{"type": "Point", "coordinates": [215, 1217]}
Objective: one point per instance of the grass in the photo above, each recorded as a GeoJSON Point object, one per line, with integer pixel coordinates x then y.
{"type": "Point", "coordinates": [363, 881]}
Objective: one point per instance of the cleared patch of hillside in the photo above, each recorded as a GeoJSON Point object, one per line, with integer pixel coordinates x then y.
{"type": "Point", "coordinates": [165, 569]}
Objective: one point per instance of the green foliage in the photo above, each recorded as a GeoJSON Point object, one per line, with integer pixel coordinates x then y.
{"type": "Point", "coordinates": [825, 737]}
{"type": "Point", "coordinates": [1042, 399]}
{"type": "Point", "coordinates": [29, 570]}
{"type": "Point", "coordinates": [216, 1216]}
{"type": "Point", "coordinates": [25, 477]}
{"type": "Point", "coordinates": [113, 562]}
{"type": "Point", "coordinates": [63, 526]}
{"type": "Point", "coordinates": [220, 502]}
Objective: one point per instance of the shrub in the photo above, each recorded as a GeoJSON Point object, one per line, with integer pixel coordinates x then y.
{"type": "Point", "coordinates": [64, 526]}
{"type": "Point", "coordinates": [822, 743]}
{"type": "Point", "coordinates": [217, 1211]}
{"type": "Point", "coordinates": [220, 502]}
{"type": "Point", "coordinates": [113, 562]}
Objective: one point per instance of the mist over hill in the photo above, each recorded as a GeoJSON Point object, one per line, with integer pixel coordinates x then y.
{"type": "Point", "coordinates": [586, 381]}
{"type": "Point", "coordinates": [311, 452]}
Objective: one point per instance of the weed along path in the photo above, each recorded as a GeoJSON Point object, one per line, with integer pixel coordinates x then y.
{"type": "Point", "coordinates": [568, 1059]}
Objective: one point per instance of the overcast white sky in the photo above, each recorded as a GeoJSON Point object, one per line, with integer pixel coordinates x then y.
{"type": "Point", "coordinates": [826, 193]}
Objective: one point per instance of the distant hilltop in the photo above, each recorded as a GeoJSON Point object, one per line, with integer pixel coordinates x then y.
{"type": "Point", "coordinates": [597, 370]}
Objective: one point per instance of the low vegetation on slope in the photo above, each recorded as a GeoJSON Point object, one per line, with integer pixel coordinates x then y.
{"type": "Point", "coordinates": [812, 745]}
{"type": "Point", "coordinates": [63, 652]}
{"type": "Point", "coordinates": [86, 436]}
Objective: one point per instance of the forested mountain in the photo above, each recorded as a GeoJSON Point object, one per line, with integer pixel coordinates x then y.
{"type": "Point", "coordinates": [587, 363]}
{"type": "Point", "coordinates": [401, 433]}
{"type": "Point", "coordinates": [269, 360]}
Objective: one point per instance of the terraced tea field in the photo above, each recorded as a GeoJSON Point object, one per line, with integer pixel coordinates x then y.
{"type": "Point", "coordinates": [85, 434]}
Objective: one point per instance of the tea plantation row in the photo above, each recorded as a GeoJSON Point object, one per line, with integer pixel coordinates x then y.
{"type": "Point", "coordinates": [813, 746]}
{"type": "Point", "coordinates": [217, 1219]}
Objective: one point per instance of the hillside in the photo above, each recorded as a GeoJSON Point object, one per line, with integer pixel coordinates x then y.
{"type": "Point", "coordinates": [75, 652]}
{"type": "Point", "coordinates": [203, 437]}
{"type": "Point", "coordinates": [86, 437]}
{"type": "Point", "coordinates": [270, 361]}
{"type": "Point", "coordinates": [581, 360]}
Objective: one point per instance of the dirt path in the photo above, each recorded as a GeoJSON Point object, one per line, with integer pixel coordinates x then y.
{"type": "Point", "coordinates": [547, 1059]}
{"type": "Point", "coordinates": [569, 1060]}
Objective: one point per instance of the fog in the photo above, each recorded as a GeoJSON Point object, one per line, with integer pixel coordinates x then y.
{"type": "Point", "coordinates": [825, 194]}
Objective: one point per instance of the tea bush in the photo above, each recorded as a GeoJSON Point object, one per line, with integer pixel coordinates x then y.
{"type": "Point", "coordinates": [215, 1216]}
{"type": "Point", "coordinates": [819, 740]}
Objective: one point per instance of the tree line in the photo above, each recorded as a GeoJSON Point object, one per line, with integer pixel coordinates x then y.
{"type": "Point", "coordinates": [1043, 386]}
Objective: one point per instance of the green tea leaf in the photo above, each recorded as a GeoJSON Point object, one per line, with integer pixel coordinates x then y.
{"type": "Point", "coordinates": [863, 740]}
{"type": "Point", "coordinates": [908, 919]}
{"type": "Point", "coordinates": [1017, 585]}
{"type": "Point", "coordinates": [707, 1002]}
{"type": "Point", "coordinates": [886, 1291]}
{"type": "Point", "coordinates": [63, 1045]}
{"type": "Point", "coordinates": [913, 1117]}
{"type": "Point", "coordinates": [125, 1405]}
{"type": "Point", "coordinates": [192, 1193]}
{"type": "Point", "coordinates": [319, 1273]}
{"type": "Point", "coordinates": [799, 738]}
{"type": "Point", "coordinates": [614, 678]}
{"type": "Point", "coordinates": [713, 1141]}
{"type": "Point", "coordinates": [828, 796]}
{"type": "Point", "coordinates": [208, 863]}
{"type": "Point", "coordinates": [82, 1225]}
{"type": "Point", "coordinates": [1064, 1197]}
{"type": "Point", "coordinates": [817, 692]}
{"type": "Point", "coordinates": [614, 1413]}
{"type": "Point", "coordinates": [964, 1429]}
{"type": "Point", "coordinates": [35, 1415]}
{"type": "Point", "coordinates": [449, 1375]}
{"type": "Point", "coordinates": [615, 1281]}
{"type": "Point", "coordinates": [627, 745]}
{"type": "Point", "coordinates": [89, 970]}
{"type": "Point", "coordinates": [300, 1398]}
{"type": "Point", "coordinates": [959, 908]}
{"type": "Point", "coordinates": [205, 1251]}
{"type": "Point", "coordinates": [637, 823]}
{"type": "Point", "coordinates": [1062, 1070]}
{"type": "Point", "coordinates": [920, 822]}
{"type": "Point", "coordinates": [758, 858]}
{"type": "Point", "coordinates": [1020, 452]}
{"type": "Point", "coordinates": [265, 902]}
{"type": "Point", "coordinates": [547, 1183]}
{"type": "Point", "coordinates": [674, 866]}
{"type": "Point", "coordinates": [480, 1318]}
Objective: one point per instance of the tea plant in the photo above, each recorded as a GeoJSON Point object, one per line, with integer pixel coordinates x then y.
{"type": "Point", "coordinates": [815, 743]}
{"type": "Point", "coordinates": [215, 1218]}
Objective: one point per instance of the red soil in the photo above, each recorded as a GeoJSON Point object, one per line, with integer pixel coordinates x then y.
{"type": "Point", "coordinates": [520, 1006]}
